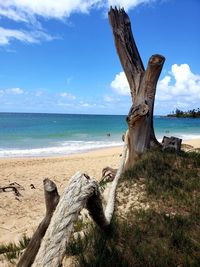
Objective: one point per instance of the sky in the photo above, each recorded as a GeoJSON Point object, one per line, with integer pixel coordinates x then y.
{"type": "Point", "coordinates": [59, 56]}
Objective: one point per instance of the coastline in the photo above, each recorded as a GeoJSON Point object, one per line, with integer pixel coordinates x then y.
{"type": "Point", "coordinates": [21, 215]}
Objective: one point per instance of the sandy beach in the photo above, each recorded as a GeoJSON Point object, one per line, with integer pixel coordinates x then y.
{"type": "Point", "coordinates": [21, 215]}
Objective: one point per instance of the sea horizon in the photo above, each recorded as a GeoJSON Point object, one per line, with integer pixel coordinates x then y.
{"type": "Point", "coordinates": [57, 113]}
{"type": "Point", "coordinates": [55, 134]}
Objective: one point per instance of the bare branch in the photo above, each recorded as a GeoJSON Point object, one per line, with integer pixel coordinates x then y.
{"type": "Point", "coordinates": [126, 47]}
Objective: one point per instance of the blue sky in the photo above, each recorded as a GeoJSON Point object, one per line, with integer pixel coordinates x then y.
{"type": "Point", "coordinates": [59, 56]}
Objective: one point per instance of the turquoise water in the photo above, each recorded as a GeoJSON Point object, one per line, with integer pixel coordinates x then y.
{"type": "Point", "coordinates": [60, 134]}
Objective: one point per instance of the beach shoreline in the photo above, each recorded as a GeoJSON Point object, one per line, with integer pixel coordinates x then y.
{"type": "Point", "coordinates": [71, 154]}
{"type": "Point", "coordinates": [21, 215]}
{"type": "Point", "coordinates": [195, 142]}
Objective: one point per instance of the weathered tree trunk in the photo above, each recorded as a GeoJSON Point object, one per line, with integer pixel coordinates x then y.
{"type": "Point", "coordinates": [74, 198]}
{"type": "Point", "coordinates": [51, 200]}
{"type": "Point", "coordinates": [142, 86]}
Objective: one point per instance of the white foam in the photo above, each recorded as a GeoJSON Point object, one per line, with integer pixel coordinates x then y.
{"type": "Point", "coordinates": [66, 148]}
{"type": "Point", "coordinates": [189, 136]}
{"type": "Point", "coordinates": [72, 147]}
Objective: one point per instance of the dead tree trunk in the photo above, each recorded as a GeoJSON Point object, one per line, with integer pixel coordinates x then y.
{"type": "Point", "coordinates": [51, 200]}
{"type": "Point", "coordinates": [142, 86]}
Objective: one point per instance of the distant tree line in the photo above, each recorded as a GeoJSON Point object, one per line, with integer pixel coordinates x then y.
{"type": "Point", "coordinates": [193, 113]}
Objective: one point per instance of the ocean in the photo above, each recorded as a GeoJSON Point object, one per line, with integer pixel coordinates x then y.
{"type": "Point", "coordinates": [31, 135]}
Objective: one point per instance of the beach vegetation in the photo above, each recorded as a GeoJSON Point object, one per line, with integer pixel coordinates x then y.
{"type": "Point", "coordinates": [12, 251]}
{"type": "Point", "coordinates": [165, 235]}
{"type": "Point", "coordinates": [193, 113]}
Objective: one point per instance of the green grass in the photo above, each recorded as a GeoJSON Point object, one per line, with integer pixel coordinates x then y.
{"type": "Point", "coordinates": [165, 236]}
{"type": "Point", "coordinates": [152, 240]}
{"type": "Point", "coordinates": [12, 251]}
{"type": "Point", "coordinates": [167, 174]}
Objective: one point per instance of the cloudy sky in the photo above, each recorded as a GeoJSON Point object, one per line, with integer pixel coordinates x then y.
{"type": "Point", "coordinates": [59, 56]}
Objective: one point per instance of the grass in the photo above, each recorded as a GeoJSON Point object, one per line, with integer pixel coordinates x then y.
{"type": "Point", "coordinates": [168, 174]}
{"type": "Point", "coordinates": [12, 251]}
{"type": "Point", "coordinates": [167, 234]}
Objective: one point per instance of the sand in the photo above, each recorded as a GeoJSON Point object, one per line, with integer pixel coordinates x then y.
{"type": "Point", "coordinates": [21, 215]}
{"type": "Point", "coordinates": [193, 142]}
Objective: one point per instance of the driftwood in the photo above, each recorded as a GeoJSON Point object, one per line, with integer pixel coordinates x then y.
{"type": "Point", "coordinates": [73, 200]}
{"type": "Point", "coordinates": [108, 174]}
{"type": "Point", "coordinates": [82, 192]}
{"type": "Point", "coordinates": [111, 197]}
{"type": "Point", "coordinates": [15, 187]}
{"type": "Point", "coordinates": [171, 143]}
{"type": "Point", "coordinates": [95, 208]}
{"type": "Point", "coordinates": [51, 200]}
{"type": "Point", "coordinates": [142, 86]}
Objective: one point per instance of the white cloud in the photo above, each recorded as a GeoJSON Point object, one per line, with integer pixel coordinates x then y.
{"type": "Point", "coordinates": [120, 84]}
{"type": "Point", "coordinates": [180, 88]}
{"type": "Point", "coordinates": [184, 91]}
{"type": "Point", "coordinates": [85, 105]}
{"type": "Point", "coordinates": [17, 91]}
{"type": "Point", "coordinates": [12, 14]}
{"type": "Point", "coordinates": [108, 99]}
{"type": "Point", "coordinates": [64, 104]}
{"type": "Point", "coordinates": [127, 4]}
{"type": "Point", "coordinates": [26, 9]}
{"type": "Point", "coordinates": [14, 91]}
{"type": "Point", "coordinates": [68, 96]}
{"type": "Point", "coordinates": [23, 10]}
{"type": "Point", "coordinates": [30, 12]}
{"type": "Point", "coordinates": [6, 35]}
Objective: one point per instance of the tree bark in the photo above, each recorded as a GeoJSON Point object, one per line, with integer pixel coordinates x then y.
{"type": "Point", "coordinates": [142, 86]}
{"type": "Point", "coordinates": [172, 143]}
{"type": "Point", "coordinates": [95, 207]}
{"type": "Point", "coordinates": [74, 198]}
{"type": "Point", "coordinates": [51, 200]}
